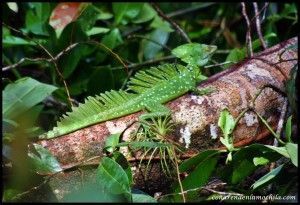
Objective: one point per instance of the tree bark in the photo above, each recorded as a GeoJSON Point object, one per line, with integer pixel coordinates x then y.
{"type": "Point", "coordinates": [196, 117]}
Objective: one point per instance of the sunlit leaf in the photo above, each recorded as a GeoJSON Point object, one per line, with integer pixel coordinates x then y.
{"type": "Point", "coordinates": [292, 149]}
{"type": "Point", "coordinates": [22, 95]}
{"type": "Point", "coordinates": [266, 178]}
{"type": "Point", "coordinates": [44, 162]}
{"type": "Point", "coordinates": [111, 142]}
{"type": "Point", "coordinates": [288, 128]}
{"type": "Point", "coordinates": [142, 198]}
{"type": "Point", "coordinates": [112, 177]}
{"type": "Point", "coordinates": [150, 48]}
{"type": "Point", "coordinates": [260, 161]}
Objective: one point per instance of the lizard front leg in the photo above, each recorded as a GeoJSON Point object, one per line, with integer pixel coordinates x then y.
{"type": "Point", "coordinates": [203, 91]}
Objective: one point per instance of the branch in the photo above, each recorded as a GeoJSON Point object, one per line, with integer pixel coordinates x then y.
{"type": "Point", "coordinates": [176, 27]}
{"type": "Point", "coordinates": [258, 29]}
{"type": "Point", "coordinates": [248, 34]}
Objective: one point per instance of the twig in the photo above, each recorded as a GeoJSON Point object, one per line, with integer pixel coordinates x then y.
{"type": "Point", "coordinates": [150, 62]}
{"type": "Point", "coordinates": [258, 28]}
{"type": "Point", "coordinates": [248, 35]}
{"type": "Point", "coordinates": [176, 27]}
{"type": "Point", "coordinates": [262, 9]}
{"type": "Point", "coordinates": [49, 54]}
{"type": "Point", "coordinates": [34, 188]}
{"type": "Point", "coordinates": [190, 9]}
{"type": "Point", "coordinates": [6, 68]}
{"type": "Point", "coordinates": [178, 176]}
{"type": "Point", "coordinates": [148, 39]}
{"type": "Point", "coordinates": [282, 117]}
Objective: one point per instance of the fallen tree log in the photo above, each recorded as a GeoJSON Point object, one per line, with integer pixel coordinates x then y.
{"type": "Point", "coordinates": [196, 116]}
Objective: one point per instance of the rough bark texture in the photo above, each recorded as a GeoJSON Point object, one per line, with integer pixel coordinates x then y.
{"type": "Point", "coordinates": [196, 116]}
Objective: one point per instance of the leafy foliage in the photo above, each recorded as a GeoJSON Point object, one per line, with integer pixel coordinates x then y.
{"type": "Point", "coordinates": [35, 94]}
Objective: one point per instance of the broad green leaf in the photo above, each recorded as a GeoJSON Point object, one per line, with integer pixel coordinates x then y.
{"type": "Point", "coordinates": [199, 176]}
{"type": "Point", "coordinates": [97, 30]}
{"type": "Point", "coordinates": [112, 177]}
{"type": "Point", "coordinates": [194, 54]}
{"type": "Point", "coordinates": [242, 170]}
{"type": "Point", "coordinates": [280, 150]}
{"type": "Point", "coordinates": [194, 161]}
{"type": "Point", "coordinates": [236, 54]}
{"type": "Point", "coordinates": [22, 95]}
{"type": "Point", "coordinates": [122, 161]}
{"type": "Point", "coordinates": [226, 122]}
{"type": "Point", "coordinates": [112, 39]}
{"type": "Point", "coordinates": [142, 198]}
{"type": "Point", "coordinates": [36, 18]}
{"type": "Point", "coordinates": [242, 164]}
{"type": "Point", "coordinates": [288, 129]}
{"type": "Point", "coordinates": [266, 178]}
{"type": "Point", "coordinates": [292, 149]}
{"type": "Point", "coordinates": [146, 14]}
{"type": "Point", "coordinates": [44, 162]}
{"type": "Point", "coordinates": [125, 11]}
{"type": "Point", "coordinates": [111, 142]}
{"type": "Point", "coordinates": [88, 16]}
{"type": "Point", "coordinates": [158, 23]}
{"type": "Point", "coordinates": [151, 49]}
{"type": "Point", "coordinates": [15, 41]}
{"type": "Point", "coordinates": [94, 86]}
{"type": "Point", "coordinates": [260, 161]}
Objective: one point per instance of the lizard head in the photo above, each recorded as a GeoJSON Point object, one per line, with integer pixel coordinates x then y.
{"type": "Point", "coordinates": [194, 54]}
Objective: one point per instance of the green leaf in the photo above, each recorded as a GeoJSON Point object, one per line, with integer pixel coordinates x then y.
{"type": "Point", "coordinates": [226, 123]}
{"type": "Point", "coordinates": [199, 176]}
{"type": "Point", "coordinates": [146, 14]}
{"type": "Point", "coordinates": [88, 17]}
{"type": "Point", "coordinates": [280, 150]}
{"type": "Point", "coordinates": [150, 49]}
{"type": "Point", "coordinates": [94, 86]}
{"type": "Point", "coordinates": [194, 54]}
{"type": "Point", "coordinates": [288, 129]}
{"type": "Point", "coordinates": [122, 161]}
{"type": "Point", "coordinates": [158, 23]}
{"type": "Point", "coordinates": [266, 178]}
{"type": "Point", "coordinates": [112, 39]}
{"type": "Point", "coordinates": [242, 170]}
{"type": "Point", "coordinates": [15, 41]}
{"type": "Point", "coordinates": [44, 162]}
{"type": "Point", "coordinates": [112, 177]}
{"type": "Point", "coordinates": [111, 142]}
{"type": "Point", "coordinates": [235, 55]}
{"type": "Point", "coordinates": [260, 161]}
{"type": "Point", "coordinates": [126, 11]}
{"type": "Point", "coordinates": [292, 149]}
{"type": "Point", "coordinates": [142, 198]}
{"type": "Point", "coordinates": [22, 95]}
{"type": "Point", "coordinates": [36, 19]}
{"type": "Point", "coordinates": [194, 161]}
{"type": "Point", "coordinates": [97, 30]}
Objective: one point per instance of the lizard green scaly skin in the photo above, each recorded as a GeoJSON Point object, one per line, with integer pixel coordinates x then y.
{"type": "Point", "coordinates": [148, 90]}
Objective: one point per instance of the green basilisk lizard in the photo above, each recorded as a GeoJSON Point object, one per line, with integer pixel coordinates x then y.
{"type": "Point", "coordinates": [148, 89]}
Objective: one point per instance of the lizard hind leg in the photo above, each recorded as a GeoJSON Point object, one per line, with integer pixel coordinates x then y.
{"type": "Point", "coordinates": [203, 91]}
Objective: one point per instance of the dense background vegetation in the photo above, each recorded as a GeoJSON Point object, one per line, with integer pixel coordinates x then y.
{"type": "Point", "coordinates": [40, 64]}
